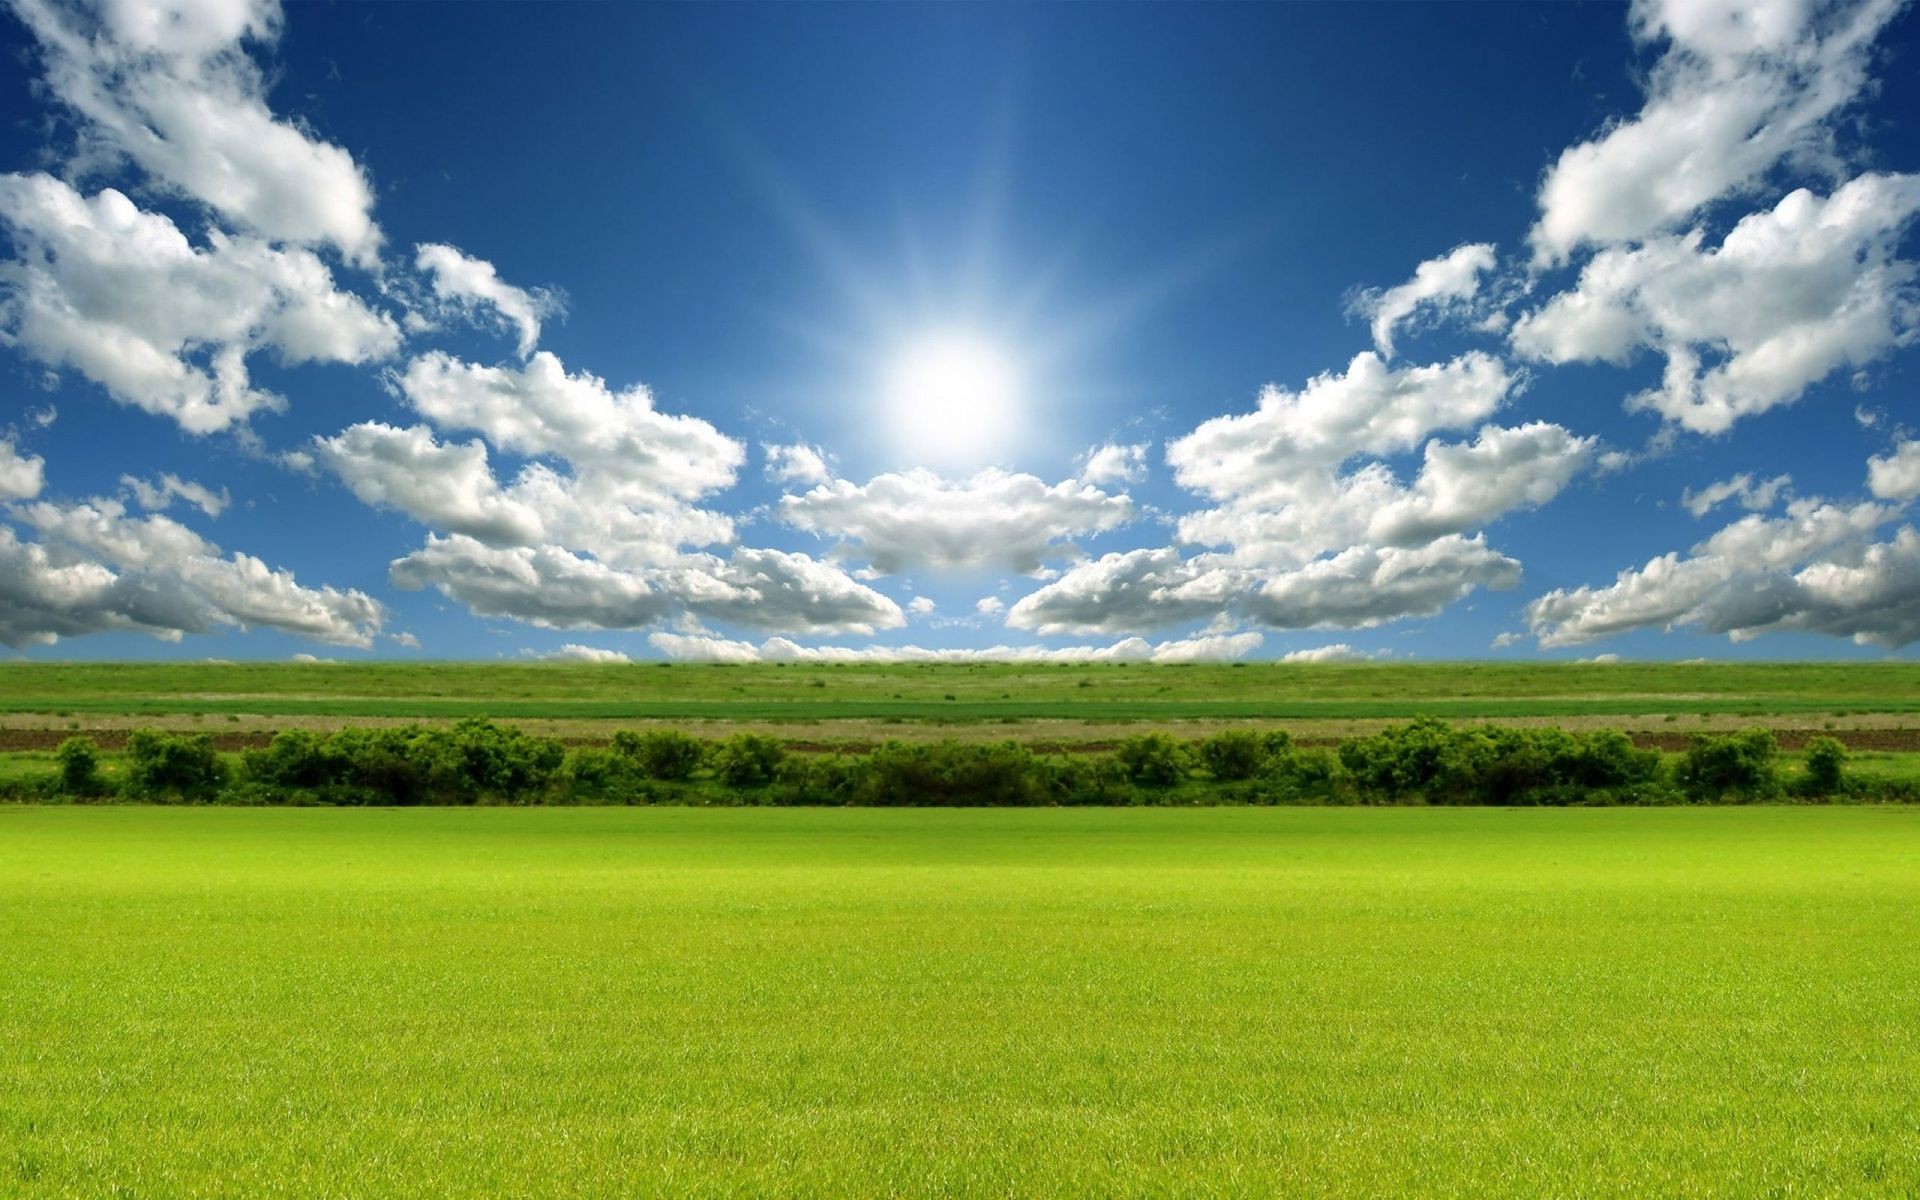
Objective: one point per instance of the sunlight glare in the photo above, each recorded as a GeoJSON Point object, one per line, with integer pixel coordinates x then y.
{"type": "Point", "coordinates": [954, 400]}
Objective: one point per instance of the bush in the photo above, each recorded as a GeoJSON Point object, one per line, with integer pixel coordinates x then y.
{"type": "Point", "coordinates": [822, 780]}
{"type": "Point", "coordinates": [746, 760]}
{"type": "Point", "coordinates": [604, 775]}
{"type": "Point", "coordinates": [951, 774]}
{"type": "Point", "coordinates": [1241, 754]}
{"type": "Point", "coordinates": [1153, 759]}
{"type": "Point", "coordinates": [1091, 780]}
{"type": "Point", "coordinates": [162, 765]}
{"type": "Point", "coordinates": [1740, 765]}
{"type": "Point", "coordinates": [1311, 776]}
{"type": "Point", "coordinates": [79, 760]}
{"type": "Point", "coordinates": [1826, 761]}
{"type": "Point", "coordinates": [661, 753]}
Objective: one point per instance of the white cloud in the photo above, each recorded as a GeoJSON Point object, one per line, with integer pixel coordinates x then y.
{"type": "Point", "coordinates": [1125, 591]}
{"type": "Point", "coordinates": [641, 455]}
{"type": "Point", "coordinates": [99, 569]}
{"type": "Point", "coordinates": [575, 652]}
{"type": "Point", "coordinates": [448, 485]}
{"type": "Point", "coordinates": [989, 606]}
{"type": "Point", "coordinates": [797, 463]}
{"type": "Point", "coordinates": [917, 518]}
{"type": "Point", "coordinates": [1741, 87]}
{"type": "Point", "coordinates": [169, 86]}
{"type": "Point", "coordinates": [1360, 587]}
{"type": "Point", "coordinates": [1439, 285]}
{"type": "Point", "coordinates": [707, 648]}
{"type": "Point", "coordinates": [123, 297]}
{"type": "Point", "coordinates": [1370, 409]}
{"type": "Point", "coordinates": [1338, 652]}
{"type": "Point", "coordinates": [1896, 476]}
{"type": "Point", "coordinates": [1462, 487]}
{"type": "Point", "coordinates": [1365, 586]}
{"type": "Point", "coordinates": [21, 475]}
{"type": "Point", "coordinates": [920, 606]}
{"type": "Point", "coordinates": [1814, 568]}
{"type": "Point", "coordinates": [1790, 296]}
{"type": "Point", "coordinates": [471, 286]}
{"type": "Point", "coordinates": [155, 495]}
{"type": "Point", "coordinates": [1113, 463]}
{"type": "Point", "coordinates": [1741, 489]}
{"type": "Point", "coordinates": [555, 588]}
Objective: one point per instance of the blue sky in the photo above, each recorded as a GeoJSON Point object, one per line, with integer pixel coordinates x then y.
{"type": "Point", "coordinates": [1435, 331]}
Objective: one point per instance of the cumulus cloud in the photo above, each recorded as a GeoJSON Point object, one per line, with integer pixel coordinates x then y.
{"type": "Point", "coordinates": [170, 86]}
{"type": "Point", "coordinates": [1790, 296]}
{"type": "Point", "coordinates": [1462, 486]}
{"type": "Point", "coordinates": [123, 297]}
{"type": "Point", "coordinates": [920, 606]}
{"type": "Point", "coordinates": [707, 648]}
{"type": "Point", "coordinates": [1739, 87]}
{"type": "Point", "coordinates": [1370, 408]}
{"type": "Point", "coordinates": [447, 485]}
{"type": "Point", "coordinates": [599, 530]}
{"type": "Point", "coordinates": [644, 455]}
{"type": "Point", "coordinates": [796, 463]}
{"type": "Point", "coordinates": [989, 606]}
{"type": "Point", "coordinates": [21, 475]}
{"type": "Point", "coordinates": [472, 287]}
{"type": "Point", "coordinates": [1741, 489]}
{"type": "Point", "coordinates": [1439, 286]}
{"type": "Point", "coordinates": [917, 518]}
{"type": "Point", "coordinates": [98, 569]}
{"type": "Point", "coordinates": [1894, 476]}
{"type": "Point", "coordinates": [1365, 586]}
{"type": "Point", "coordinates": [1360, 587]}
{"type": "Point", "coordinates": [1113, 463]}
{"type": "Point", "coordinates": [157, 494]}
{"type": "Point", "coordinates": [1338, 652]}
{"type": "Point", "coordinates": [1815, 568]}
{"type": "Point", "coordinates": [575, 652]}
{"type": "Point", "coordinates": [556, 588]}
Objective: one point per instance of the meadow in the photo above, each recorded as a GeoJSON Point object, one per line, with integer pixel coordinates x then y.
{"type": "Point", "coordinates": [958, 693]}
{"type": "Point", "coordinates": [685, 1002]}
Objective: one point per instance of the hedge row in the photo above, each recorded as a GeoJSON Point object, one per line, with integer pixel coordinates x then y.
{"type": "Point", "coordinates": [476, 761]}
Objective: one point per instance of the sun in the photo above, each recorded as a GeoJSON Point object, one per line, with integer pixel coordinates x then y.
{"type": "Point", "coordinates": [954, 400]}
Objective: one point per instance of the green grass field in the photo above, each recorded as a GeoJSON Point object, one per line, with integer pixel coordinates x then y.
{"type": "Point", "coordinates": [1713, 1002]}
{"type": "Point", "coordinates": [985, 692]}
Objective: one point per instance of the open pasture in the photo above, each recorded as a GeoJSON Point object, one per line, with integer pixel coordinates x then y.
{"type": "Point", "coordinates": [587, 1002]}
{"type": "Point", "coordinates": [853, 703]}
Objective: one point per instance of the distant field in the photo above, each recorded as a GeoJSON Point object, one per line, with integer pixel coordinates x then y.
{"type": "Point", "coordinates": [699, 1002]}
{"type": "Point", "coordinates": [961, 694]}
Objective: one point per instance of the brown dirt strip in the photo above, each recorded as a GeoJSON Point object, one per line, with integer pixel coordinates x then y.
{"type": "Point", "coordinates": [1045, 737]}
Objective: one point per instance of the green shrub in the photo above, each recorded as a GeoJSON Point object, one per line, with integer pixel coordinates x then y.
{"type": "Point", "coordinates": [951, 774]}
{"type": "Point", "coordinates": [1091, 780]}
{"type": "Point", "coordinates": [1153, 759]}
{"type": "Point", "coordinates": [1241, 754]}
{"type": "Point", "coordinates": [825, 779]}
{"type": "Point", "coordinates": [661, 753]}
{"type": "Point", "coordinates": [1301, 776]}
{"type": "Point", "coordinates": [1826, 761]}
{"type": "Point", "coordinates": [746, 760]}
{"type": "Point", "coordinates": [79, 759]}
{"type": "Point", "coordinates": [1738, 765]}
{"type": "Point", "coordinates": [165, 765]}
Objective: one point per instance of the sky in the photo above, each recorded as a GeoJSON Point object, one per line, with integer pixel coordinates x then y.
{"type": "Point", "coordinates": [738, 332]}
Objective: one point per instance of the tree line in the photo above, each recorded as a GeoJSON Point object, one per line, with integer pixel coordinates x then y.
{"type": "Point", "coordinates": [1425, 761]}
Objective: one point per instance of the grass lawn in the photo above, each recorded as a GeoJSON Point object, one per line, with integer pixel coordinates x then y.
{"type": "Point", "coordinates": [595, 1002]}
